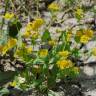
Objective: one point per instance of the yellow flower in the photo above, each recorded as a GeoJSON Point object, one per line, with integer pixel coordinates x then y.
{"type": "Point", "coordinates": [29, 27]}
{"type": "Point", "coordinates": [52, 42]}
{"type": "Point", "coordinates": [5, 49]}
{"type": "Point", "coordinates": [33, 26]}
{"type": "Point", "coordinates": [35, 35]}
{"type": "Point", "coordinates": [88, 33]}
{"type": "Point", "coordinates": [29, 49]}
{"type": "Point", "coordinates": [63, 53]}
{"type": "Point", "coordinates": [54, 7]}
{"type": "Point", "coordinates": [94, 51]}
{"type": "Point", "coordinates": [8, 16]}
{"type": "Point", "coordinates": [26, 34]}
{"type": "Point", "coordinates": [10, 44]}
{"type": "Point", "coordinates": [13, 84]}
{"type": "Point", "coordinates": [79, 12]}
{"type": "Point", "coordinates": [62, 64]}
{"type": "Point", "coordinates": [84, 39]}
{"type": "Point", "coordinates": [43, 52]}
{"type": "Point", "coordinates": [37, 23]}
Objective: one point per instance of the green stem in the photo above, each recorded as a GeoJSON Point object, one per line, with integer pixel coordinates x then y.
{"type": "Point", "coordinates": [3, 20]}
{"type": "Point", "coordinates": [37, 3]}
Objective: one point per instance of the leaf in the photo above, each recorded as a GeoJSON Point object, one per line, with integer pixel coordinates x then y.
{"type": "Point", "coordinates": [75, 52]}
{"type": "Point", "coordinates": [38, 61]}
{"type": "Point", "coordinates": [59, 47]}
{"type": "Point", "coordinates": [2, 41]}
{"type": "Point", "coordinates": [13, 28]}
{"type": "Point", "coordinates": [77, 39]}
{"type": "Point", "coordinates": [52, 93]}
{"type": "Point", "coordinates": [67, 47]}
{"type": "Point", "coordinates": [63, 36]}
{"type": "Point", "coordinates": [4, 91]}
{"type": "Point", "coordinates": [6, 76]}
{"type": "Point", "coordinates": [46, 36]}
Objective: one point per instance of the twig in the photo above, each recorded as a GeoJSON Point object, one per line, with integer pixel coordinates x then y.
{"type": "Point", "coordinates": [21, 2]}
{"type": "Point", "coordinates": [88, 21]}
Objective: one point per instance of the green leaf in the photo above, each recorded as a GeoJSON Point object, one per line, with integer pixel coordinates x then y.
{"type": "Point", "coordinates": [59, 47]}
{"type": "Point", "coordinates": [75, 52]}
{"type": "Point", "coordinates": [14, 28]}
{"type": "Point", "coordinates": [77, 39]}
{"type": "Point", "coordinates": [46, 36]}
{"type": "Point", "coordinates": [38, 61]}
{"type": "Point", "coordinates": [52, 93]}
{"type": "Point", "coordinates": [63, 36]}
{"type": "Point", "coordinates": [67, 47]}
{"type": "Point", "coordinates": [4, 91]}
{"type": "Point", "coordinates": [6, 76]}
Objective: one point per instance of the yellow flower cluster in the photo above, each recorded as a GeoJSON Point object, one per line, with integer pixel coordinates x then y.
{"type": "Point", "coordinates": [84, 39]}
{"type": "Point", "coordinates": [79, 12]}
{"type": "Point", "coordinates": [29, 49]}
{"type": "Point", "coordinates": [37, 23]}
{"type": "Point", "coordinates": [26, 34]}
{"type": "Point", "coordinates": [10, 44]}
{"type": "Point", "coordinates": [64, 54]}
{"type": "Point", "coordinates": [8, 16]}
{"type": "Point", "coordinates": [85, 35]}
{"type": "Point", "coordinates": [35, 35]}
{"type": "Point", "coordinates": [52, 42]}
{"type": "Point", "coordinates": [62, 64]}
{"type": "Point", "coordinates": [54, 7]}
{"type": "Point", "coordinates": [89, 33]}
{"type": "Point", "coordinates": [32, 28]}
{"type": "Point", "coordinates": [13, 84]}
{"type": "Point", "coordinates": [43, 52]}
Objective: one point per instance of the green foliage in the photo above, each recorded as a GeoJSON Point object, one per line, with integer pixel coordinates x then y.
{"type": "Point", "coordinates": [13, 28]}
{"type": "Point", "coordinates": [44, 65]}
{"type": "Point", "coordinates": [6, 76]}
{"type": "Point", "coordinates": [4, 91]}
{"type": "Point", "coordinates": [46, 36]}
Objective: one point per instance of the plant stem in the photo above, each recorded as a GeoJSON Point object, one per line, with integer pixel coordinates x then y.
{"type": "Point", "coordinates": [3, 20]}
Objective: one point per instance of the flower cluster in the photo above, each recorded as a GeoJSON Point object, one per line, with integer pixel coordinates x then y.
{"type": "Point", "coordinates": [84, 35]}
{"type": "Point", "coordinates": [54, 7]}
{"type": "Point", "coordinates": [64, 54]}
{"type": "Point", "coordinates": [8, 16]}
{"type": "Point", "coordinates": [32, 28]}
{"type": "Point", "coordinates": [79, 13]}
{"type": "Point", "coordinates": [10, 44]}
{"type": "Point", "coordinates": [62, 64]}
{"type": "Point", "coordinates": [43, 52]}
